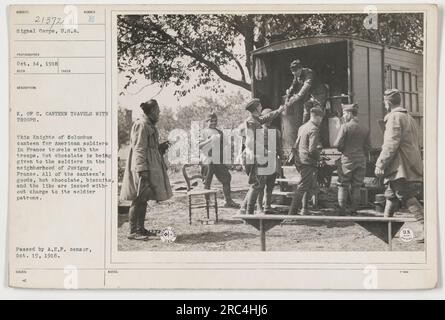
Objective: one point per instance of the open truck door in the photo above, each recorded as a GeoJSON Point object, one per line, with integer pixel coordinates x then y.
{"type": "Point", "coordinates": [328, 57]}
{"type": "Point", "coordinates": [367, 86]}
{"type": "Point", "coordinates": [355, 71]}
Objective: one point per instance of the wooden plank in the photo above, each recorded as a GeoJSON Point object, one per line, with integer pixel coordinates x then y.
{"type": "Point", "coordinates": [404, 57]}
{"type": "Point", "coordinates": [298, 43]}
{"type": "Point", "coordinates": [376, 109]}
{"type": "Point", "coordinates": [366, 44]}
{"type": "Point", "coordinates": [280, 206]}
{"type": "Point", "coordinates": [262, 236]}
{"type": "Point", "coordinates": [283, 193]}
{"type": "Point", "coordinates": [360, 85]}
{"type": "Point", "coordinates": [322, 218]}
{"type": "Point", "coordinates": [289, 181]}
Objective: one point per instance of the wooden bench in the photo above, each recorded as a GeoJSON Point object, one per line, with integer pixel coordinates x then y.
{"type": "Point", "coordinates": [383, 228]}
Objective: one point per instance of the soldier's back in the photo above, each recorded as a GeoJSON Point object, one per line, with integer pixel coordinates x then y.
{"type": "Point", "coordinates": [356, 140]}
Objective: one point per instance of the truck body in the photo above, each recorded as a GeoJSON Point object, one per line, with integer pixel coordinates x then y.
{"type": "Point", "coordinates": [354, 71]}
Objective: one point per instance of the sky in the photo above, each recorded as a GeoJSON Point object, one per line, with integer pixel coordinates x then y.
{"type": "Point", "coordinates": [141, 91]}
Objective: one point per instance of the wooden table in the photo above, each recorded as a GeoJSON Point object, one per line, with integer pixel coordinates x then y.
{"type": "Point", "coordinates": [383, 228]}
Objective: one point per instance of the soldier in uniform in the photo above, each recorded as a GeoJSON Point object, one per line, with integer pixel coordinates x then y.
{"type": "Point", "coordinates": [257, 181]}
{"type": "Point", "coordinates": [354, 143]}
{"type": "Point", "coordinates": [400, 161]}
{"type": "Point", "coordinates": [276, 151]}
{"type": "Point", "coordinates": [306, 89]}
{"type": "Point", "coordinates": [306, 154]}
{"type": "Point", "coordinates": [210, 167]}
{"type": "Point", "coordinates": [145, 176]}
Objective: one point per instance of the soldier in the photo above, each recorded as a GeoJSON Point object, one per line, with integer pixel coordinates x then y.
{"type": "Point", "coordinates": [306, 89]}
{"type": "Point", "coordinates": [354, 143]}
{"type": "Point", "coordinates": [400, 161]}
{"type": "Point", "coordinates": [257, 182]}
{"type": "Point", "coordinates": [145, 176]}
{"type": "Point", "coordinates": [306, 155]}
{"type": "Point", "coordinates": [278, 155]}
{"type": "Point", "coordinates": [215, 167]}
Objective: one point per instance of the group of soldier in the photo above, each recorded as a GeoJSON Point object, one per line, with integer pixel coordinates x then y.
{"type": "Point", "coordinates": [399, 163]}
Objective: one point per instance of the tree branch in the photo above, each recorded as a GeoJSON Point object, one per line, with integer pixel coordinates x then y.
{"type": "Point", "coordinates": [238, 63]}
{"type": "Point", "coordinates": [212, 66]}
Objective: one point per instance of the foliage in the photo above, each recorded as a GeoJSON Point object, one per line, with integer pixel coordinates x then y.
{"type": "Point", "coordinates": [167, 122]}
{"type": "Point", "coordinates": [170, 49]}
{"type": "Point", "coordinates": [124, 127]}
{"type": "Point", "coordinates": [229, 110]}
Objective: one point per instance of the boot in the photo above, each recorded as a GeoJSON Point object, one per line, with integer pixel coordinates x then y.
{"type": "Point", "coordinates": [250, 209]}
{"type": "Point", "coordinates": [132, 219]}
{"type": "Point", "coordinates": [390, 208]}
{"type": "Point", "coordinates": [304, 203]}
{"type": "Point", "coordinates": [259, 201]}
{"type": "Point", "coordinates": [136, 214]}
{"type": "Point", "coordinates": [141, 219]}
{"type": "Point", "coordinates": [228, 197]}
{"type": "Point", "coordinates": [355, 199]}
{"type": "Point", "coordinates": [268, 201]}
{"type": "Point", "coordinates": [416, 209]}
{"type": "Point", "coordinates": [243, 208]}
{"type": "Point", "coordinates": [252, 196]}
{"type": "Point", "coordinates": [342, 198]}
{"type": "Point", "coordinates": [296, 201]}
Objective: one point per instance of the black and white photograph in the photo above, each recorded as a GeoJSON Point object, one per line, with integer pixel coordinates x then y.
{"type": "Point", "coordinates": [229, 149]}
{"type": "Point", "coordinates": [271, 132]}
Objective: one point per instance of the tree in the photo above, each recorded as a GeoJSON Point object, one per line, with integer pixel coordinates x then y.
{"type": "Point", "coordinates": [228, 108]}
{"type": "Point", "coordinates": [170, 49]}
{"type": "Point", "coordinates": [167, 122]}
{"type": "Point", "coordinates": [124, 126]}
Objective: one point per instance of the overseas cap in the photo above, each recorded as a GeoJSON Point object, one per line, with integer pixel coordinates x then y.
{"type": "Point", "coordinates": [295, 64]}
{"type": "Point", "coordinates": [252, 104]}
{"type": "Point", "coordinates": [211, 117]}
{"type": "Point", "coordinates": [393, 96]}
{"type": "Point", "coordinates": [317, 111]}
{"type": "Point", "coordinates": [350, 107]}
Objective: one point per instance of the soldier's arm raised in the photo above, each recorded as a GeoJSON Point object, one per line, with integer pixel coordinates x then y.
{"type": "Point", "coordinates": [307, 85]}
{"type": "Point", "coordinates": [271, 115]}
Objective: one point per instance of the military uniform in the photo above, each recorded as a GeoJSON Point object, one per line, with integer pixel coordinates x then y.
{"type": "Point", "coordinates": [305, 93]}
{"type": "Point", "coordinates": [400, 161]}
{"type": "Point", "coordinates": [306, 151]}
{"type": "Point", "coordinates": [276, 152]}
{"type": "Point", "coordinates": [257, 181]}
{"type": "Point", "coordinates": [400, 157]}
{"type": "Point", "coordinates": [353, 142]}
{"type": "Point", "coordinates": [211, 168]}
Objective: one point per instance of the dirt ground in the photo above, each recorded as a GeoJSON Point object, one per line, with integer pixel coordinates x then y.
{"type": "Point", "coordinates": [234, 235]}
